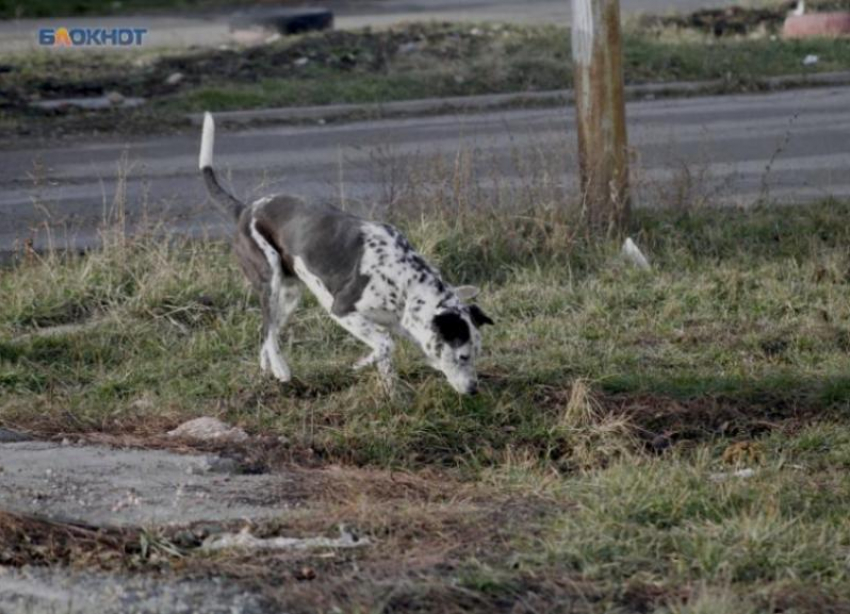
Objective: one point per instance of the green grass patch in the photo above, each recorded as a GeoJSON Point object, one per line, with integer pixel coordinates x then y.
{"type": "Point", "coordinates": [672, 530]}
{"type": "Point", "coordinates": [744, 310]}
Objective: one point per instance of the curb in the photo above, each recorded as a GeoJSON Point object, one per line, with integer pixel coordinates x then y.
{"type": "Point", "coordinates": [435, 106]}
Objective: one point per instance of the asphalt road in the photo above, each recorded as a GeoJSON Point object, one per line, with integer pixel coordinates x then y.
{"type": "Point", "coordinates": [791, 147]}
{"type": "Point", "coordinates": [212, 29]}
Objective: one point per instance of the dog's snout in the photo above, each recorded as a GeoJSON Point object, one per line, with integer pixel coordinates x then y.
{"type": "Point", "coordinates": [472, 390]}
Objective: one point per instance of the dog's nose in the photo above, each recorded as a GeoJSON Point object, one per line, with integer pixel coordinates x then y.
{"type": "Point", "coordinates": [472, 390]}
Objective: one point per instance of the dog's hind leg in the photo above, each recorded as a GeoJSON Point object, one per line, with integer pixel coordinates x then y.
{"type": "Point", "coordinates": [287, 300]}
{"type": "Point", "coordinates": [278, 299]}
{"type": "Point", "coordinates": [290, 296]}
{"type": "Point", "coordinates": [377, 338]}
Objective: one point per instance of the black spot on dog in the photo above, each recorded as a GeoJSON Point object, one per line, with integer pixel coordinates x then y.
{"type": "Point", "coordinates": [418, 263]}
{"type": "Point", "coordinates": [452, 328]}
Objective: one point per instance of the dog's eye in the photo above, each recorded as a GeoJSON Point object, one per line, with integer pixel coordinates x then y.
{"type": "Point", "coordinates": [464, 358]}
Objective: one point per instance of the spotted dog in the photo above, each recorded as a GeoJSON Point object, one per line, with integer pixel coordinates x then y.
{"type": "Point", "coordinates": [364, 274]}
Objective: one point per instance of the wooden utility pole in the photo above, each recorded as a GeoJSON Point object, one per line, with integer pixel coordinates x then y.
{"type": "Point", "coordinates": [601, 113]}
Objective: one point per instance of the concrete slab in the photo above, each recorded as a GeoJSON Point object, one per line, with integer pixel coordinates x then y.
{"type": "Point", "coordinates": [108, 487]}
{"type": "Point", "coordinates": [37, 590]}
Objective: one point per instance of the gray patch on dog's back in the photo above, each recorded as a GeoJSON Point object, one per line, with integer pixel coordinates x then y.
{"type": "Point", "coordinates": [328, 241]}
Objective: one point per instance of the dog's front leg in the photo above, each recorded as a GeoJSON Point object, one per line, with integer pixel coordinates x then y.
{"type": "Point", "coordinates": [377, 338]}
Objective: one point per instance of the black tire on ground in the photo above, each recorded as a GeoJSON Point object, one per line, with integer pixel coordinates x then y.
{"type": "Point", "coordinates": [285, 21]}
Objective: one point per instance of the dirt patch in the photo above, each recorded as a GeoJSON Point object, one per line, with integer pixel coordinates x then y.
{"type": "Point", "coordinates": [699, 417]}
{"type": "Point", "coordinates": [438, 556]}
{"type": "Point", "coordinates": [729, 21]}
{"type": "Point", "coordinates": [33, 541]}
{"type": "Point", "coordinates": [344, 51]}
{"type": "Point", "coordinates": [738, 20]}
{"type": "Point", "coordinates": [708, 417]}
{"type": "Point", "coordinates": [53, 567]}
{"type": "Point", "coordinates": [434, 544]}
{"type": "Point", "coordinates": [328, 56]}
{"type": "Point", "coordinates": [800, 598]}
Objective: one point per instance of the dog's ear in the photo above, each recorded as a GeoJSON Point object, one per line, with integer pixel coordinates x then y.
{"type": "Point", "coordinates": [452, 328]}
{"type": "Point", "coordinates": [467, 293]}
{"type": "Point", "coordinates": [479, 318]}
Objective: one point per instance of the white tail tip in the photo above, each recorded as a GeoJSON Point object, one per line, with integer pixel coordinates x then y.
{"type": "Point", "coordinates": [207, 139]}
{"type": "Point", "coordinates": [632, 254]}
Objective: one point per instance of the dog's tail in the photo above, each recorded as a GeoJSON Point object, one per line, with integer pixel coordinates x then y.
{"type": "Point", "coordinates": [221, 197]}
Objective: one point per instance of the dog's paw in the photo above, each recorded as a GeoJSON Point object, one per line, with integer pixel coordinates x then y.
{"type": "Point", "coordinates": [366, 361]}
{"type": "Point", "coordinates": [279, 369]}
{"type": "Point", "coordinates": [283, 376]}
{"type": "Point", "coordinates": [269, 361]}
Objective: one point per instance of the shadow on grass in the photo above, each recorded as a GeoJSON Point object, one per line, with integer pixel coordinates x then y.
{"type": "Point", "coordinates": [554, 425]}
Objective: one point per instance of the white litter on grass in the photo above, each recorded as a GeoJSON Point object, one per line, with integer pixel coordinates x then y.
{"type": "Point", "coordinates": [246, 541]}
{"type": "Point", "coordinates": [632, 254]}
{"type": "Point", "coordinates": [740, 473]}
{"type": "Point", "coordinates": [408, 48]}
{"type": "Point", "coordinates": [466, 293]}
{"type": "Point", "coordinates": [98, 102]}
{"type": "Point", "coordinates": [116, 98]}
{"type": "Point", "coordinates": [810, 60]}
{"type": "Point", "coordinates": [207, 428]}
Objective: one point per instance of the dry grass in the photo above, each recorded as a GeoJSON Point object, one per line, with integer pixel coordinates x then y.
{"type": "Point", "coordinates": [27, 540]}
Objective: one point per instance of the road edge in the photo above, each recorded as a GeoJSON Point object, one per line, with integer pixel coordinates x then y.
{"type": "Point", "coordinates": [458, 104]}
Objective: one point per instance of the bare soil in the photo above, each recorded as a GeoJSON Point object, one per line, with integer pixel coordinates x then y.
{"type": "Point", "coordinates": [97, 528]}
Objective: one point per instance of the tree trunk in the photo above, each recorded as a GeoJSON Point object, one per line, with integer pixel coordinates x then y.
{"type": "Point", "coordinates": [601, 113]}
